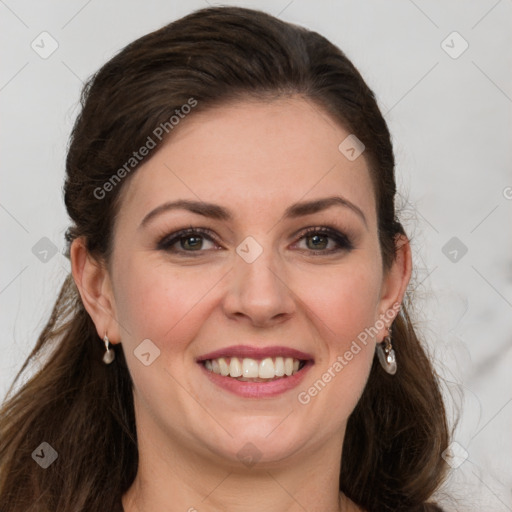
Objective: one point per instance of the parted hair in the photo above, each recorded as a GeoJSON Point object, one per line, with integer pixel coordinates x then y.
{"type": "Point", "coordinates": [83, 408]}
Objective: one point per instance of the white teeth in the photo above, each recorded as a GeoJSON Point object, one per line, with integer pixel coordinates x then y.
{"type": "Point", "coordinates": [235, 368]}
{"type": "Point", "coordinates": [288, 366]}
{"type": "Point", "coordinates": [248, 368]}
{"type": "Point", "coordinates": [266, 369]}
{"type": "Point", "coordinates": [224, 368]}
{"type": "Point", "coordinates": [279, 367]}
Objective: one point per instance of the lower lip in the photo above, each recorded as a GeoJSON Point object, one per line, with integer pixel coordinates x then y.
{"type": "Point", "coordinates": [249, 389]}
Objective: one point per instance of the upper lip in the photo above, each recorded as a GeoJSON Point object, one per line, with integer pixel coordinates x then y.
{"type": "Point", "coordinates": [255, 352]}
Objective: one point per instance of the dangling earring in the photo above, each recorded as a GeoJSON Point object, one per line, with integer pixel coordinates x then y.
{"type": "Point", "coordinates": [386, 354]}
{"type": "Point", "coordinates": [109, 355]}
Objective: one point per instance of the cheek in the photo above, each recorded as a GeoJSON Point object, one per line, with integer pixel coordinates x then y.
{"type": "Point", "coordinates": [343, 306]}
{"type": "Point", "coordinates": [156, 302]}
{"type": "Point", "coordinates": [345, 300]}
{"type": "Point", "coordinates": [169, 307]}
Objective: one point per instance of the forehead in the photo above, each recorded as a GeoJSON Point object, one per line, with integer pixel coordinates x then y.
{"type": "Point", "coordinates": [252, 154]}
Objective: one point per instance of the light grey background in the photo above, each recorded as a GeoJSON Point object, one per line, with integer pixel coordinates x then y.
{"type": "Point", "coordinates": [451, 125]}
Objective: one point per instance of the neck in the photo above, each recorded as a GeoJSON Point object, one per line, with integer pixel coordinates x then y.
{"type": "Point", "coordinates": [178, 478]}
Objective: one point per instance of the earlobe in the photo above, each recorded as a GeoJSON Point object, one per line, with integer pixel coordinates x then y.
{"type": "Point", "coordinates": [93, 282]}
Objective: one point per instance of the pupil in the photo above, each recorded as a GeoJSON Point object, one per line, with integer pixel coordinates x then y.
{"type": "Point", "coordinates": [316, 238]}
{"type": "Point", "coordinates": [196, 241]}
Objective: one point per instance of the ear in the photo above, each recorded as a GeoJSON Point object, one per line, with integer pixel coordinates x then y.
{"type": "Point", "coordinates": [394, 283]}
{"type": "Point", "coordinates": [93, 282]}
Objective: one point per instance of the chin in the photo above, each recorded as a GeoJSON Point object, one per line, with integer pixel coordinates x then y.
{"type": "Point", "coordinates": [262, 442]}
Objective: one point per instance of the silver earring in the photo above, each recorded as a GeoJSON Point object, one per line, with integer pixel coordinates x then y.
{"type": "Point", "coordinates": [109, 355]}
{"type": "Point", "coordinates": [386, 354]}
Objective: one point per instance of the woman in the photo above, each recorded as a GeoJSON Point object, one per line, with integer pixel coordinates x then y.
{"type": "Point", "coordinates": [233, 333]}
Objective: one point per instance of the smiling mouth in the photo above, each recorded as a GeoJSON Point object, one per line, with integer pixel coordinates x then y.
{"type": "Point", "coordinates": [254, 370]}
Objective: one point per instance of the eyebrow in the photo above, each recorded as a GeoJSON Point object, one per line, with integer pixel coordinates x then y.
{"type": "Point", "coordinates": [217, 212]}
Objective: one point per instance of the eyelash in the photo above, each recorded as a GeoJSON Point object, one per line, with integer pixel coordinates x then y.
{"type": "Point", "coordinates": [343, 241]}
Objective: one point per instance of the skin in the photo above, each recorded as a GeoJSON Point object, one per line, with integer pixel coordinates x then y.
{"type": "Point", "coordinates": [254, 158]}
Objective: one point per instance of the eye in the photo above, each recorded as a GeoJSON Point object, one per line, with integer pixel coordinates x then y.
{"type": "Point", "coordinates": [324, 240]}
{"type": "Point", "coordinates": [318, 240]}
{"type": "Point", "coordinates": [187, 240]}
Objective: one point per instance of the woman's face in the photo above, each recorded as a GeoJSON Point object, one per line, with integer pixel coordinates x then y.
{"type": "Point", "coordinates": [273, 269]}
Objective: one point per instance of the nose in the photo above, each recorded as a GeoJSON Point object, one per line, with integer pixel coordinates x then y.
{"type": "Point", "coordinates": [258, 291]}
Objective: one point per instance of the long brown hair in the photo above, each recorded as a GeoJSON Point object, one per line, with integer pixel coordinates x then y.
{"type": "Point", "coordinates": [84, 409]}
